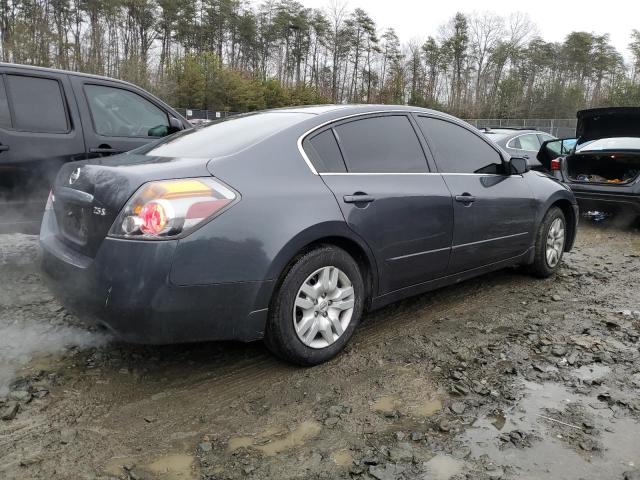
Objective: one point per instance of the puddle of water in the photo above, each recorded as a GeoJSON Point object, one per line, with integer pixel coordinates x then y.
{"type": "Point", "coordinates": [304, 432]}
{"type": "Point", "coordinates": [443, 467]}
{"type": "Point", "coordinates": [114, 466]}
{"type": "Point", "coordinates": [295, 438]}
{"type": "Point", "coordinates": [391, 403]}
{"type": "Point", "coordinates": [550, 457]}
{"type": "Point", "coordinates": [167, 467]}
{"type": "Point", "coordinates": [239, 442]}
{"type": "Point", "coordinates": [173, 467]}
{"type": "Point", "coordinates": [428, 408]}
{"type": "Point", "coordinates": [592, 372]}
{"type": "Point", "coordinates": [342, 458]}
{"type": "Point", "coordinates": [386, 404]}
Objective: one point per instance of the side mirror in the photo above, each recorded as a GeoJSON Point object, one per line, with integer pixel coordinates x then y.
{"type": "Point", "coordinates": [517, 166]}
{"type": "Point", "coordinates": [175, 125]}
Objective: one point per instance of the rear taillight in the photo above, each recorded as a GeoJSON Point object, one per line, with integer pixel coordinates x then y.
{"type": "Point", "coordinates": [168, 208]}
{"type": "Point", "coordinates": [555, 164]}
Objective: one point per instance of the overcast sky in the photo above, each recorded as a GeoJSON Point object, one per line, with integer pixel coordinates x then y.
{"type": "Point", "coordinates": [417, 19]}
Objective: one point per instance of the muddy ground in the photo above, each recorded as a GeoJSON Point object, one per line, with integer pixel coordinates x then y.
{"type": "Point", "coordinates": [504, 376]}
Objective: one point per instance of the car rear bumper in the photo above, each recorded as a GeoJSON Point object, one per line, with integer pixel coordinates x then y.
{"type": "Point", "coordinates": [590, 200]}
{"type": "Point", "coordinates": [126, 288]}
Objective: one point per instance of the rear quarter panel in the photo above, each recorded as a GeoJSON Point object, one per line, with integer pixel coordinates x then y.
{"type": "Point", "coordinates": [283, 207]}
{"type": "Point", "coordinates": [548, 191]}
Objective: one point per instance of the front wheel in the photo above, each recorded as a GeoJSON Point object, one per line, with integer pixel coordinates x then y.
{"type": "Point", "coordinates": [550, 242]}
{"type": "Point", "coordinates": [317, 307]}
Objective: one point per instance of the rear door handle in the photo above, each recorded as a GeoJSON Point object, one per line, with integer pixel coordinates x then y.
{"type": "Point", "coordinates": [358, 198]}
{"type": "Point", "coordinates": [103, 150]}
{"type": "Point", "coordinates": [4, 148]}
{"type": "Point", "coordinates": [466, 198]}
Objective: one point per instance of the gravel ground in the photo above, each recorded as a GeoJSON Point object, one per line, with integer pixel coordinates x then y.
{"type": "Point", "coordinates": [504, 376]}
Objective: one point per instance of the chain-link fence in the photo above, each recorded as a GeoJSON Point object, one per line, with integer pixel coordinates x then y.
{"type": "Point", "coordinates": [199, 114]}
{"type": "Point", "coordinates": [559, 127]}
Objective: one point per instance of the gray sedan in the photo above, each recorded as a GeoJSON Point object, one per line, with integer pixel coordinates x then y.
{"type": "Point", "coordinates": [518, 142]}
{"type": "Point", "coordinates": [288, 224]}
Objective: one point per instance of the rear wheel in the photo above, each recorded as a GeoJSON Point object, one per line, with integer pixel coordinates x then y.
{"type": "Point", "coordinates": [550, 242]}
{"type": "Point", "coordinates": [317, 307]}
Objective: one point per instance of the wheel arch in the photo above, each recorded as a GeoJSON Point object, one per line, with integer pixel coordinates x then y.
{"type": "Point", "coordinates": [571, 221]}
{"type": "Point", "coordinates": [334, 234]}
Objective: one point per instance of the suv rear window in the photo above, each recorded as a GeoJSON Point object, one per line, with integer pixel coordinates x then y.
{"type": "Point", "coordinates": [224, 137]}
{"type": "Point", "coordinates": [5, 117]}
{"type": "Point", "coordinates": [37, 104]}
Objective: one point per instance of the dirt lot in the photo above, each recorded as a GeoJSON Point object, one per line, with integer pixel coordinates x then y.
{"type": "Point", "coordinates": [500, 377]}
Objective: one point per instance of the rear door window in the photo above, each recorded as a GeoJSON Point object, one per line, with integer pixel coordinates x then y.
{"type": "Point", "coordinates": [5, 117]}
{"type": "Point", "coordinates": [38, 104]}
{"type": "Point", "coordinates": [543, 137]}
{"type": "Point", "coordinates": [386, 144]}
{"type": "Point", "coordinates": [530, 142]}
{"type": "Point", "coordinates": [323, 151]}
{"type": "Point", "coordinates": [457, 149]}
{"type": "Point", "coordinates": [118, 112]}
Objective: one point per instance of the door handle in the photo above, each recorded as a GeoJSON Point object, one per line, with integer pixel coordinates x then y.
{"type": "Point", "coordinates": [465, 198]}
{"type": "Point", "coordinates": [358, 198]}
{"type": "Point", "coordinates": [4, 148]}
{"type": "Point", "coordinates": [103, 150]}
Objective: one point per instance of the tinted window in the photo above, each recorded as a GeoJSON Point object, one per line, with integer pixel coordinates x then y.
{"type": "Point", "coordinates": [381, 145]}
{"type": "Point", "coordinates": [530, 142]}
{"type": "Point", "coordinates": [225, 137]}
{"type": "Point", "coordinates": [543, 137]}
{"type": "Point", "coordinates": [121, 113]}
{"type": "Point", "coordinates": [5, 118]}
{"type": "Point", "coordinates": [324, 153]}
{"type": "Point", "coordinates": [457, 149]}
{"type": "Point", "coordinates": [37, 104]}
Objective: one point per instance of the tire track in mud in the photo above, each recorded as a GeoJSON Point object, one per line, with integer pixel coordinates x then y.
{"type": "Point", "coordinates": [233, 379]}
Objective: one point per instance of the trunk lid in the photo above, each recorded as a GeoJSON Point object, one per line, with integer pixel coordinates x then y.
{"type": "Point", "coordinates": [90, 194]}
{"type": "Point", "coordinates": [597, 123]}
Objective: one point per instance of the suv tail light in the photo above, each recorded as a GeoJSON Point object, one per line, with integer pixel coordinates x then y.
{"type": "Point", "coordinates": [168, 208]}
{"type": "Point", "coordinates": [555, 164]}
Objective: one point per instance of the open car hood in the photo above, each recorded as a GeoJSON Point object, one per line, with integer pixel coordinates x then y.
{"type": "Point", "coordinates": [597, 123]}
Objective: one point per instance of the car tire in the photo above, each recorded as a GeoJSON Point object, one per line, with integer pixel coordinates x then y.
{"type": "Point", "coordinates": [550, 243]}
{"type": "Point", "coordinates": [314, 295]}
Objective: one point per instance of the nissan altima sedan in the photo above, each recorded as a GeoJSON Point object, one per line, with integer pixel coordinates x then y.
{"type": "Point", "coordinates": [286, 225]}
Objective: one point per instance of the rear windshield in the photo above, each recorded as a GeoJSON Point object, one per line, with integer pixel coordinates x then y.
{"type": "Point", "coordinates": [617, 143]}
{"type": "Point", "coordinates": [496, 137]}
{"type": "Point", "coordinates": [224, 137]}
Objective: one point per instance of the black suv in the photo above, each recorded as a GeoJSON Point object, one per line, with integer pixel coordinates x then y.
{"type": "Point", "coordinates": [49, 117]}
{"type": "Point", "coordinates": [602, 164]}
{"type": "Point", "coordinates": [519, 142]}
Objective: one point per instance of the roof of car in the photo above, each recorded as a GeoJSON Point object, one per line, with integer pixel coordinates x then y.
{"type": "Point", "coordinates": [509, 130]}
{"type": "Point", "coordinates": [348, 109]}
{"type": "Point", "coordinates": [32, 68]}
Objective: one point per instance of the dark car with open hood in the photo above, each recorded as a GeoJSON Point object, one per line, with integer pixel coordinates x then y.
{"type": "Point", "coordinates": [602, 164]}
{"type": "Point", "coordinates": [288, 224]}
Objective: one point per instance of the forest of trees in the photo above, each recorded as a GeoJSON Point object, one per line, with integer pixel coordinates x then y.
{"type": "Point", "coordinates": [237, 55]}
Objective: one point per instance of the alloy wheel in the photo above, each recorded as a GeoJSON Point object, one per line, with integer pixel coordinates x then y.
{"type": "Point", "coordinates": [555, 242]}
{"type": "Point", "coordinates": [323, 307]}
